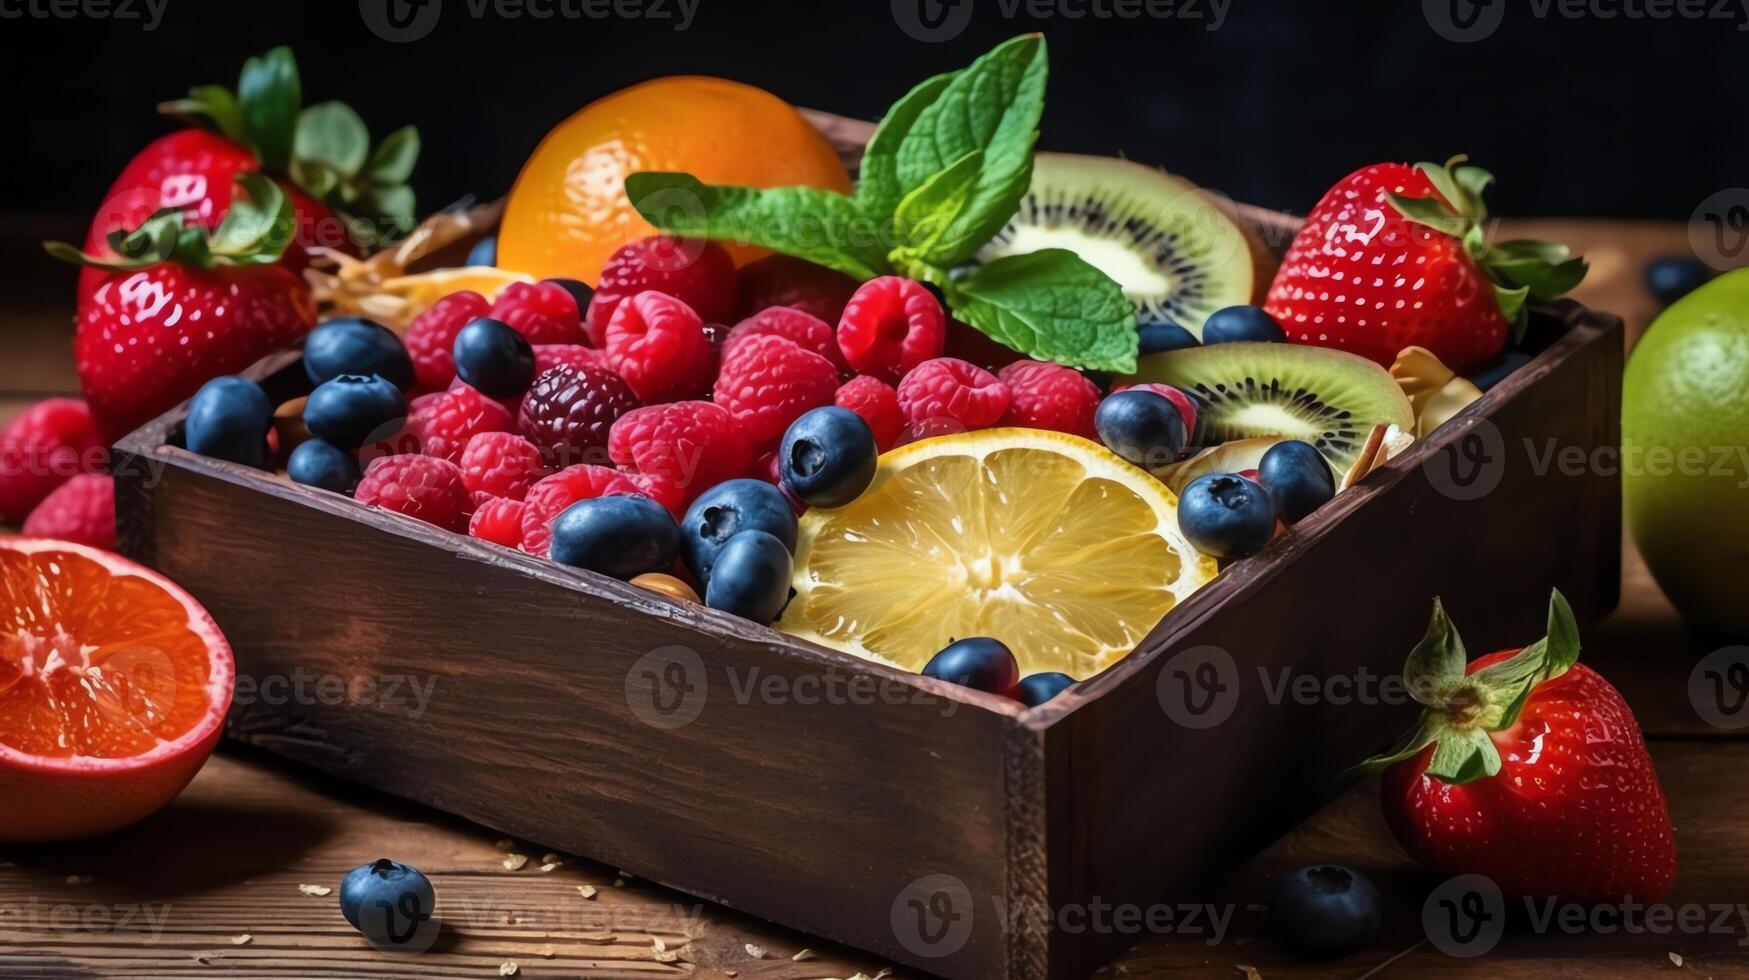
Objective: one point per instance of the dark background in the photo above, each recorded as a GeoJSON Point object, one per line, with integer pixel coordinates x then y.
{"type": "Point", "coordinates": [1592, 115]}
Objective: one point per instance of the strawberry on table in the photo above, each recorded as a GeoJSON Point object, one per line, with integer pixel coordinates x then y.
{"type": "Point", "coordinates": [1530, 769]}
{"type": "Point", "coordinates": [1396, 256]}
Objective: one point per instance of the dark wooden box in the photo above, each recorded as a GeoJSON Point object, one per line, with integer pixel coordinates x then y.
{"type": "Point", "coordinates": [943, 828]}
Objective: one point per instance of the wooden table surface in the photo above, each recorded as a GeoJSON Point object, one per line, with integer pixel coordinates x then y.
{"type": "Point", "coordinates": [210, 886]}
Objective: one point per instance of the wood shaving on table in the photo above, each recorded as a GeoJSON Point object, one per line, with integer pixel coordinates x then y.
{"type": "Point", "coordinates": [508, 968]}
{"type": "Point", "coordinates": [241, 940]}
{"type": "Point", "coordinates": [803, 956]}
{"type": "Point", "coordinates": [587, 891]}
{"type": "Point", "coordinates": [316, 891]}
{"type": "Point", "coordinates": [514, 862]}
{"type": "Point", "coordinates": [757, 952]}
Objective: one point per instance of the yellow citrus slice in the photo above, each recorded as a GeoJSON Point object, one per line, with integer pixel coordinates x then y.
{"type": "Point", "coordinates": [1045, 541]}
{"type": "Point", "coordinates": [426, 288]}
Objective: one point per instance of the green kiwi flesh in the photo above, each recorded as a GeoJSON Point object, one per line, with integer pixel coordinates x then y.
{"type": "Point", "coordinates": [1176, 253]}
{"type": "Point", "coordinates": [1329, 398]}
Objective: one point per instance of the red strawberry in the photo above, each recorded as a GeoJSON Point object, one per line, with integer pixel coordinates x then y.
{"type": "Point", "coordinates": [1397, 256]}
{"type": "Point", "coordinates": [173, 315]}
{"type": "Point", "coordinates": [1530, 769]}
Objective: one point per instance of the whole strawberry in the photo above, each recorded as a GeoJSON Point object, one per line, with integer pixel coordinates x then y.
{"type": "Point", "coordinates": [1395, 256]}
{"type": "Point", "coordinates": [1530, 769]}
{"type": "Point", "coordinates": [177, 308]}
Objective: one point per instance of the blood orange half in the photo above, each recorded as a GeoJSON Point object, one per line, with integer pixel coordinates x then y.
{"type": "Point", "coordinates": [114, 685]}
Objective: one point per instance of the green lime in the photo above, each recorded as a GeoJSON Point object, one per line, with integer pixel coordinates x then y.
{"type": "Point", "coordinates": [1685, 452]}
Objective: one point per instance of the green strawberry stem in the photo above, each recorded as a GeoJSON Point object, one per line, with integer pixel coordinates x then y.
{"type": "Point", "coordinates": [1520, 270]}
{"type": "Point", "coordinates": [324, 149]}
{"type": "Point", "coordinates": [1462, 709]}
{"type": "Point", "coordinates": [255, 231]}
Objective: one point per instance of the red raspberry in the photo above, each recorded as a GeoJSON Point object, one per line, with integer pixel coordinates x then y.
{"type": "Point", "coordinates": [890, 326]}
{"type": "Point", "coordinates": [669, 493]}
{"type": "Point", "coordinates": [425, 487]}
{"type": "Point", "coordinates": [431, 336]}
{"type": "Point", "coordinates": [695, 445]}
{"type": "Point", "coordinates": [442, 426]}
{"type": "Point", "coordinates": [1186, 405]}
{"type": "Point", "coordinates": [1050, 396]}
{"type": "Point", "coordinates": [576, 355]}
{"type": "Point", "coordinates": [82, 511]}
{"type": "Point", "coordinates": [877, 403]}
{"type": "Point", "coordinates": [568, 412]}
{"type": "Point", "coordinates": [657, 344]}
{"type": "Point", "coordinates": [784, 280]}
{"type": "Point", "coordinates": [770, 382]}
{"type": "Point", "coordinates": [548, 499]}
{"type": "Point", "coordinates": [806, 329]}
{"type": "Point", "coordinates": [501, 464]}
{"type": "Point", "coordinates": [48, 444]}
{"type": "Point", "coordinates": [498, 520]}
{"type": "Point", "coordinates": [544, 312]}
{"type": "Point", "coordinates": [949, 390]}
{"type": "Point", "coordinates": [698, 273]}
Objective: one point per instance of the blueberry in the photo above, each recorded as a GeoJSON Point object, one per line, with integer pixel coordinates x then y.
{"type": "Point", "coordinates": [319, 464]}
{"type": "Point", "coordinates": [1671, 277]}
{"type": "Point", "coordinates": [389, 902]}
{"type": "Point", "coordinates": [1496, 371]}
{"type": "Point", "coordinates": [621, 536]}
{"type": "Point", "coordinates": [1325, 910]}
{"type": "Point", "coordinates": [228, 419]}
{"type": "Point", "coordinates": [493, 359]}
{"type": "Point", "coordinates": [727, 509]}
{"type": "Point", "coordinates": [828, 457]}
{"type": "Point", "coordinates": [1164, 335]}
{"type": "Point", "coordinates": [351, 410]}
{"type": "Point", "coordinates": [1142, 427]}
{"type": "Point", "coordinates": [484, 252]}
{"type": "Point", "coordinates": [349, 345]}
{"type": "Point", "coordinates": [1297, 478]}
{"type": "Point", "coordinates": [1237, 324]}
{"type": "Point", "coordinates": [579, 291]}
{"type": "Point", "coordinates": [1036, 689]}
{"type": "Point", "coordinates": [977, 662]}
{"type": "Point", "coordinates": [1226, 515]}
{"type": "Point", "coordinates": [750, 577]}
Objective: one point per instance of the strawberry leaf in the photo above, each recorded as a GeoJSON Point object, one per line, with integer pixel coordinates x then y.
{"type": "Point", "coordinates": [270, 95]}
{"type": "Point", "coordinates": [206, 105]}
{"type": "Point", "coordinates": [1437, 662]}
{"type": "Point", "coordinates": [256, 229]}
{"type": "Point", "coordinates": [1463, 756]}
{"type": "Point", "coordinates": [333, 135]}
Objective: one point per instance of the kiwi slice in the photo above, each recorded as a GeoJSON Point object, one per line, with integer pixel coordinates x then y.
{"type": "Point", "coordinates": [1329, 398]}
{"type": "Point", "coordinates": [1176, 251]}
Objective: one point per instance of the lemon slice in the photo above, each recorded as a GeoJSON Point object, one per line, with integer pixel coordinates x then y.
{"type": "Point", "coordinates": [1045, 541]}
{"type": "Point", "coordinates": [426, 288]}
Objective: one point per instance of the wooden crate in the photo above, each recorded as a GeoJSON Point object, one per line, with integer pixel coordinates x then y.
{"type": "Point", "coordinates": [946, 829]}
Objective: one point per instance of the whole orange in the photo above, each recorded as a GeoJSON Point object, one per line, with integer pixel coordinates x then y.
{"type": "Point", "coordinates": [568, 210]}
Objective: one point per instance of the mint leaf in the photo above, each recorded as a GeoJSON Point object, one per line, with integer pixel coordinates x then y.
{"type": "Point", "coordinates": [1053, 305]}
{"type": "Point", "coordinates": [994, 106]}
{"type": "Point", "coordinates": [877, 186]}
{"type": "Point", "coordinates": [821, 226]}
{"type": "Point", "coordinates": [924, 216]}
{"type": "Point", "coordinates": [269, 96]}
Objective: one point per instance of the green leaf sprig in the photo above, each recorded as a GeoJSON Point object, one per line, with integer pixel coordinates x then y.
{"type": "Point", "coordinates": [944, 172]}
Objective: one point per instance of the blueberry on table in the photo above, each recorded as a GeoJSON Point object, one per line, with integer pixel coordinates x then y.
{"type": "Point", "coordinates": [323, 465]}
{"type": "Point", "coordinates": [978, 662]}
{"type": "Point", "coordinates": [751, 577]}
{"type": "Point", "coordinates": [351, 410]}
{"type": "Point", "coordinates": [1160, 336]}
{"type": "Point", "coordinates": [727, 509]}
{"type": "Point", "coordinates": [1671, 277]}
{"type": "Point", "coordinates": [484, 252]}
{"type": "Point", "coordinates": [1036, 689]}
{"type": "Point", "coordinates": [828, 457]}
{"type": "Point", "coordinates": [1298, 479]}
{"type": "Point", "coordinates": [1325, 910]}
{"type": "Point", "coordinates": [389, 902]}
{"type": "Point", "coordinates": [1142, 427]}
{"type": "Point", "coordinates": [1226, 516]}
{"type": "Point", "coordinates": [352, 345]}
{"type": "Point", "coordinates": [493, 359]}
{"type": "Point", "coordinates": [228, 419]}
{"type": "Point", "coordinates": [1242, 324]}
{"type": "Point", "coordinates": [1499, 369]}
{"type": "Point", "coordinates": [622, 536]}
